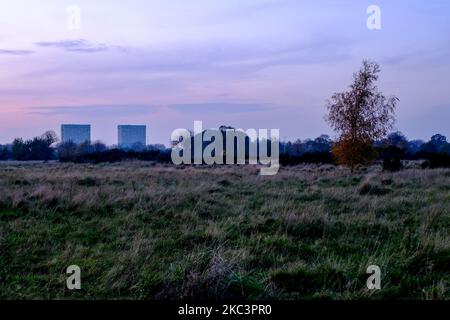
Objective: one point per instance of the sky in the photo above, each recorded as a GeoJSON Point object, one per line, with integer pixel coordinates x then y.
{"type": "Point", "coordinates": [244, 63]}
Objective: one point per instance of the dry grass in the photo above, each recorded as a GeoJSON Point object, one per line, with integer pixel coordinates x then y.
{"type": "Point", "coordinates": [145, 231]}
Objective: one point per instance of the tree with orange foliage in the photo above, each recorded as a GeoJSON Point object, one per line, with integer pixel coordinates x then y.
{"type": "Point", "coordinates": [360, 116]}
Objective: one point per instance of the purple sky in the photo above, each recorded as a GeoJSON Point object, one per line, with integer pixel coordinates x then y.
{"type": "Point", "coordinates": [248, 64]}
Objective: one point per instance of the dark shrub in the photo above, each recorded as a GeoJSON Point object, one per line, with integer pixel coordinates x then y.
{"type": "Point", "coordinates": [391, 157]}
{"type": "Point", "coordinates": [392, 164]}
{"type": "Point", "coordinates": [72, 153]}
{"type": "Point", "coordinates": [316, 157]}
{"type": "Point", "coordinates": [439, 160]}
{"type": "Point", "coordinates": [435, 160]}
{"type": "Point", "coordinates": [425, 164]}
{"type": "Point", "coordinates": [5, 153]}
{"type": "Point", "coordinates": [38, 148]}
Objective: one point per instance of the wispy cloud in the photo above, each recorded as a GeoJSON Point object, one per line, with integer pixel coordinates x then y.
{"type": "Point", "coordinates": [120, 110]}
{"type": "Point", "coordinates": [430, 56]}
{"type": "Point", "coordinates": [221, 58]}
{"type": "Point", "coordinates": [78, 45]}
{"type": "Point", "coordinates": [94, 110]}
{"type": "Point", "coordinates": [15, 52]}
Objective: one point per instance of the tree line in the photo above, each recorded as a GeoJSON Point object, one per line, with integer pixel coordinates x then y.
{"type": "Point", "coordinates": [361, 117]}
{"type": "Point", "coordinates": [394, 148]}
{"type": "Point", "coordinates": [46, 148]}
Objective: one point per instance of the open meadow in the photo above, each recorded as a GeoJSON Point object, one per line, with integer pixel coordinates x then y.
{"type": "Point", "coordinates": [140, 230]}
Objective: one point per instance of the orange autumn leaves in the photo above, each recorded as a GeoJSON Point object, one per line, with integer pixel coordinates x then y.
{"type": "Point", "coordinates": [360, 116]}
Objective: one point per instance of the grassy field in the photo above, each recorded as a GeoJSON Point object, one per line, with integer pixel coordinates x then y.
{"type": "Point", "coordinates": [146, 231]}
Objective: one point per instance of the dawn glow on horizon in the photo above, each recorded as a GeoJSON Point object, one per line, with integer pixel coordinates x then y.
{"type": "Point", "coordinates": [247, 64]}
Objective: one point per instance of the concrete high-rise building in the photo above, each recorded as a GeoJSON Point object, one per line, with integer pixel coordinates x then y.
{"type": "Point", "coordinates": [132, 137]}
{"type": "Point", "coordinates": [77, 133]}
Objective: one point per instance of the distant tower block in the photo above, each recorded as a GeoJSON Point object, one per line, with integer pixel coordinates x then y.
{"type": "Point", "coordinates": [132, 137]}
{"type": "Point", "coordinates": [76, 133]}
